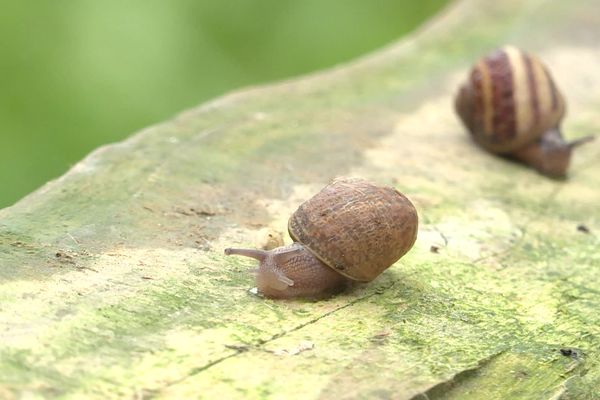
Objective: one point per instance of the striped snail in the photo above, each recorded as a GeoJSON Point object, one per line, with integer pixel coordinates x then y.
{"type": "Point", "coordinates": [352, 230]}
{"type": "Point", "coordinates": [512, 107]}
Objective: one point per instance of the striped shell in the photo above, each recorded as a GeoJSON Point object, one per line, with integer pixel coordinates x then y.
{"type": "Point", "coordinates": [355, 227]}
{"type": "Point", "coordinates": [509, 100]}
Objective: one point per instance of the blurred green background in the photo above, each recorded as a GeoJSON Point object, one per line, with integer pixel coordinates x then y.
{"type": "Point", "coordinates": [75, 74]}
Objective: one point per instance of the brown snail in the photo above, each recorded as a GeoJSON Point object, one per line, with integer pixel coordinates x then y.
{"type": "Point", "coordinates": [512, 107]}
{"type": "Point", "coordinates": [352, 230]}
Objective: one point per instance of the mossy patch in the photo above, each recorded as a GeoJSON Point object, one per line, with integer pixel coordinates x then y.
{"type": "Point", "coordinates": [114, 283]}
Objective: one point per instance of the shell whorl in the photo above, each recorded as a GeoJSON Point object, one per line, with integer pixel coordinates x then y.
{"type": "Point", "coordinates": [509, 100]}
{"type": "Point", "coordinates": [355, 227]}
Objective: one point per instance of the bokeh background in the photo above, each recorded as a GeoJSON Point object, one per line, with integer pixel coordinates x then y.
{"type": "Point", "coordinates": [75, 74]}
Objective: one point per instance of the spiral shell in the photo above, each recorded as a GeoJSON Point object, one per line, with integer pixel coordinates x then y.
{"type": "Point", "coordinates": [509, 100]}
{"type": "Point", "coordinates": [355, 227]}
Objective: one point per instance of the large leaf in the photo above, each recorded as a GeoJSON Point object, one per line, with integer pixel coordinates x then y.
{"type": "Point", "coordinates": [114, 283]}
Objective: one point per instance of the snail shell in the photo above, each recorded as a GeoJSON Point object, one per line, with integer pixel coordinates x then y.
{"type": "Point", "coordinates": [511, 106]}
{"type": "Point", "coordinates": [350, 230]}
{"type": "Point", "coordinates": [355, 227]}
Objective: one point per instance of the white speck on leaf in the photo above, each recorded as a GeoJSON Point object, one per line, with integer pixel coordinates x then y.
{"type": "Point", "coordinates": [302, 346]}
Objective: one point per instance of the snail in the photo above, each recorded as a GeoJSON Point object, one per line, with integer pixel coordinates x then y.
{"type": "Point", "coordinates": [352, 230]}
{"type": "Point", "coordinates": [512, 107]}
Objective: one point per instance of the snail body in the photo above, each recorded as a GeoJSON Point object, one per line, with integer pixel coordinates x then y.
{"type": "Point", "coordinates": [352, 230]}
{"type": "Point", "coordinates": [511, 106]}
{"type": "Point", "coordinates": [292, 271]}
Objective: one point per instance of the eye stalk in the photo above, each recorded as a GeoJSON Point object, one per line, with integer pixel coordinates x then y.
{"type": "Point", "coordinates": [551, 154]}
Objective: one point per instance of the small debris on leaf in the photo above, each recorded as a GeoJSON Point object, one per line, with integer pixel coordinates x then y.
{"type": "Point", "coordinates": [521, 374]}
{"type": "Point", "coordinates": [568, 352]}
{"type": "Point", "coordinates": [582, 228]}
{"type": "Point", "coordinates": [238, 347]}
{"type": "Point", "coordinates": [199, 212]}
{"type": "Point", "coordinates": [380, 337]}
{"type": "Point", "coordinates": [303, 346]}
{"type": "Point", "coordinates": [269, 238]}
{"type": "Point", "coordinates": [203, 213]}
{"type": "Point", "coordinates": [64, 257]}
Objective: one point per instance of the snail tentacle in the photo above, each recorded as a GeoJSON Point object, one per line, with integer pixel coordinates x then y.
{"type": "Point", "coordinates": [257, 254]}
{"type": "Point", "coordinates": [580, 141]}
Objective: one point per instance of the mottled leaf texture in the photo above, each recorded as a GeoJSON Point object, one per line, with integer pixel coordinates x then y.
{"type": "Point", "coordinates": [113, 282]}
